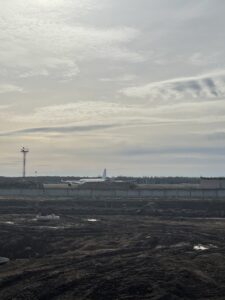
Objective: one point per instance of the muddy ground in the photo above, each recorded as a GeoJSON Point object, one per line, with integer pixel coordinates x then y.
{"type": "Point", "coordinates": [113, 249]}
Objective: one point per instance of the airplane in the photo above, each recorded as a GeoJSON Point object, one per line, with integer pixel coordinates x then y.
{"type": "Point", "coordinates": [87, 180]}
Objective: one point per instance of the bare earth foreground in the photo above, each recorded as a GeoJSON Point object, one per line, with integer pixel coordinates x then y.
{"type": "Point", "coordinates": [112, 249]}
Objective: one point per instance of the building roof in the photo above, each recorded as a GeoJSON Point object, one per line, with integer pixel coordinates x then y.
{"type": "Point", "coordinates": [213, 178]}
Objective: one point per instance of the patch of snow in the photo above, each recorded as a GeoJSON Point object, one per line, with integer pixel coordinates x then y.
{"type": "Point", "coordinates": [160, 247]}
{"type": "Point", "coordinates": [92, 220]}
{"type": "Point", "coordinates": [180, 245]}
{"type": "Point", "coordinates": [9, 222]}
{"type": "Point", "coordinates": [51, 227]}
{"type": "Point", "coordinates": [200, 247]}
{"type": "Point", "coordinates": [212, 246]}
{"type": "Point", "coordinates": [47, 217]}
{"type": "Point", "coordinates": [4, 260]}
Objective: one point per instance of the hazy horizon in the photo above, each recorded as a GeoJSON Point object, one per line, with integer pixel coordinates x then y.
{"type": "Point", "coordinates": [137, 87]}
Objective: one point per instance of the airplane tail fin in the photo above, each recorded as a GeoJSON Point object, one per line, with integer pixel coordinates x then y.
{"type": "Point", "coordinates": [104, 174]}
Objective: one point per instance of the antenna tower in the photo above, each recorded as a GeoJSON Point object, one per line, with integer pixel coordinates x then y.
{"type": "Point", "coordinates": [24, 151]}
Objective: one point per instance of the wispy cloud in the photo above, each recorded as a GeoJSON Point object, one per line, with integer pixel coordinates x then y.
{"type": "Point", "coordinates": [58, 130]}
{"type": "Point", "coordinates": [99, 112]}
{"type": "Point", "coordinates": [4, 107]}
{"type": "Point", "coordinates": [122, 78]}
{"type": "Point", "coordinates": [216, 136]}
{"type": "Point", "coordinates": [47, 42]}
{"type": "Point", "coordinates": [197, 150]}
{"type": "Point", "coordinates": [200, 59]}
{"type": "Point", "coordinates": [10, 88]}
{"type": "Point", "coordinates": [86, 111]}
{"type": "Point", "coordinates": [204, 86]}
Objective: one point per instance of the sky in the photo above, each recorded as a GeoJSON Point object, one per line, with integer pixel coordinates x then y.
{"type": "Point", "coordinates": [134, 86]}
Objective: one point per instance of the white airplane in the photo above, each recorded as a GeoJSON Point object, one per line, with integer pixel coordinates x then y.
{"type": "Point", "coordinates": [87, 180]}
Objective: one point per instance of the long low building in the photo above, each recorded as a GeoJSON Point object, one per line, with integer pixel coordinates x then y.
{"type": "Point", "coordinates": [212, 183]}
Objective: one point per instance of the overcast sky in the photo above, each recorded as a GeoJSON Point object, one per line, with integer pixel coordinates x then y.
{"type": "Point", "coordinates": [134, 86]}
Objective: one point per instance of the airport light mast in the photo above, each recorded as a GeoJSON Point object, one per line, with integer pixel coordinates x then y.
{"type": "Point", "coordinates": [24, 151]}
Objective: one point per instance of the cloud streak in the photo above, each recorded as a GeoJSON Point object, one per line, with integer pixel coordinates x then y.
{"type": "Point", "coordinates": [174, 151]}
{"type": "Point", "coordinates": [95, 112]}
{"type": "Point", "coordinates": [204, 86]}
{"type": "Point", "coordinates": [58, 130]}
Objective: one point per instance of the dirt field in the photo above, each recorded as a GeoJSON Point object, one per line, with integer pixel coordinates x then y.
{"type": "Point", "coordinates": [101, 250]}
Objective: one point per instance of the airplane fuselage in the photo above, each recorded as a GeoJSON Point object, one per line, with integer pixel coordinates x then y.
{"type": "Point", "coordinates": [87, 180]}
{"type": "Point", "coordinates": [82, 181]}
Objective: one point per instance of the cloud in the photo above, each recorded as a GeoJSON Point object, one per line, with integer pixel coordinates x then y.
{"type": "Point", "coordinates": [200, 59]}
{"type": "Point", "coordinates": [58, 130]}
{"type": "Point", "coordinates": [10, 88]}
{"type": "Point", "coordinates": [100, 112]}
{"type": "Point", "coordinates": [48, 38]}
{"type": "Point", "coordinates": [174, 151]}
{"type": "Point", "coordinates": [82, 111]}
{"type": "Point", "coordinates": [216, 136]}
{"type": "Point", "coordinates": [122, 78]}
{"type": "Point", "coordinates": [4, 107]}
{"type": "Point", "coordinates": [204, 86]}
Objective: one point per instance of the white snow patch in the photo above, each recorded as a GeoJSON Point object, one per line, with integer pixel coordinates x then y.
{"type": "Point", "coordinates": [47, 218]}
{"type": "Point", "coordinates": [92, 220]}
{"type": "Point", "coordinates": [200, 247]}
